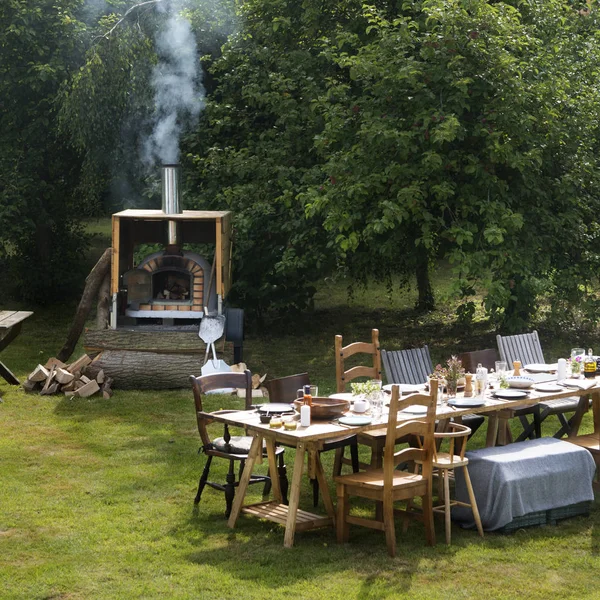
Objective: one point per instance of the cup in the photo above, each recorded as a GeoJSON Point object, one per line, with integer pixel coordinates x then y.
{"type": "Point", "coordinates": [360, 404]}
{"type": "Point", "coordinates": [501, 367]}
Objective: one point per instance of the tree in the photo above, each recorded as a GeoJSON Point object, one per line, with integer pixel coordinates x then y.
{"type": "Point", "coordinates": [40, 239]}
{"type": "Point", "coordinates": [451, 129]}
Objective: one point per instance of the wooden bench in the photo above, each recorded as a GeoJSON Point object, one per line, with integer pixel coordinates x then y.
{"type": "Point", "coordinates": [10, 327]}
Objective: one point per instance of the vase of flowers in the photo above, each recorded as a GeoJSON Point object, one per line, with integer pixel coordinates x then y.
{"type": "Point", "coordinates": [449, 375]}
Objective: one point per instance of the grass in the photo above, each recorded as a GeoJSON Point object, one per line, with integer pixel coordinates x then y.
{"type": "Point", "coordinates": [97, 496]}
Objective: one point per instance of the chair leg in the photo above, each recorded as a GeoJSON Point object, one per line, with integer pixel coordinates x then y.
{"type": "Point", "coordinates": [354, 456]}
{"type": "Point", "coordinates": [338, 461]}
{"type": "Point", "coordinates": [283, 480]}
{"type": "Point", "coordinates": [473, 501]}
{"type": "Point", "coordinates": [203, 479]}
{"type": "Point", "coordinates": [229, 489]}
{"type": "Point", "coordinates": [447, 519]}
{"type": "Point", "coordinates": [388, 525]}
{"type": "Point", "coordinates": [427, 502]}
{"type": "Point", "coordinates": [341, 524]}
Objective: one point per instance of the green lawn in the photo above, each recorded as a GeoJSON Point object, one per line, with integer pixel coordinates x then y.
{"type": "Point", "coordinates": [97, 496]}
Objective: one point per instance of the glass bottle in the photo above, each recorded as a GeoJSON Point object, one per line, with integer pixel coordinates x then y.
{"type": "Point", "coordinates": [305, 408]}
{"type": "Point", "coordinates": [589, 365]}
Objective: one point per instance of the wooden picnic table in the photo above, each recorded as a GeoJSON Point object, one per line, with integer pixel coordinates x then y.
{"type": "Point", "coordinates": [309, 440]}
{"type": "Point", "coordinates": [10, 327]}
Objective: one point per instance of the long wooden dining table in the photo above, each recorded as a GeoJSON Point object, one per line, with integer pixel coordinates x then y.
{"type": "Point", "coordinates": [308, 441]}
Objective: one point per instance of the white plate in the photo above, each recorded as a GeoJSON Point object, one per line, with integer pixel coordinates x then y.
{"type": "Point", "coordinates": [510, 394]}
{"type": "Point", "coordinates": [405, 387]}
{"type": "Point", "coordinates": [520, 381]}
{"type": "Point", "coordinates": [276, 408]}
{"type": "Point", "coordinates": [466, 402]}
{"type": "Point", "coordinates": [355, 420]}
{"type": "Point", "coordinates": [549, 387]}
{"type": "Point", "coordinates": [415, 409]}
{"type": "Point", "coordinates": [343, 396]}
{"type": "Point", "coordinates": [541, 368]}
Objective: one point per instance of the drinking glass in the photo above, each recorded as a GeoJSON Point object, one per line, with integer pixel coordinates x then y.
{"type": "Point", "coordinates": [501, 371]}
{"type": "Point", "coordinates": [577, 352]}
{"type": "Point", "coordinates": [376, 398]}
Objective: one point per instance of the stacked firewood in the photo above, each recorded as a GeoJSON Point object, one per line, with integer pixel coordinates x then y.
{"type": "Point", "coordinates": [81, 378]}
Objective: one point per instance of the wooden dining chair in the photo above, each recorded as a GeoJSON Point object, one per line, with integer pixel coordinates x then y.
{"type": "Point", "coordinates": [389, 485]}
{"type": "Point", "coordinates": [527, 349]}
{"type": "Point", "coordinates": [443, 464]}
{"type": "Point", "coordinates": [345, 374]}
{"type": "Point", "coordinates": [486, 358]}
{"type": "Point", "coordinates": [283, 389]}
{"type": "Point", "coordinates": [232, 448]}
{"type": "Point", "coordinates": [413, 365]}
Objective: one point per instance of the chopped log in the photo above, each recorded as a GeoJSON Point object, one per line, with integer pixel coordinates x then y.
{"type": "Point", "coordinates": [69, 387]}
{"type": "Point", "coordinates": [92, 369]}
{"type": "Point", "coordinates": [70, 393]}
{"type": "Point", "coordinates": [49, 381]}
{"type": "Point", "coordinates": [103, 305]}
{"type": "Point", "coordinates": [40, 373]}
{"type": "Point", "coordinates": [92, 285]}
{"type": "Point", "coordinates": [51, 389]}
{"type": "Point", "coordinates": [88, 389]}
{"type": "Point", "coordinates": [30, 386]}
{"type": "Point", "coordinates": [84, 379]}
{"type": "Point", "coordinates": [54, 362]}
{"type": "Point", "coordinates": [149, 370]}
{"type": "Point", "coordinates": [78, 384]}
{"type": "Point", "coordinates": [100, 377]}
{"type": "Point", "coordinates": [63, 376]}
{"type": "Point", "coordinates": [79, 364]}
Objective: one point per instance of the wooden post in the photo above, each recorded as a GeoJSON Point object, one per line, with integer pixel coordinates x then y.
{"type": "Point", "coordinates": [92, 285]}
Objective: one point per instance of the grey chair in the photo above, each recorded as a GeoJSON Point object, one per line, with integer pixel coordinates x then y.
{"type": "Point", "coordinates": [526, 347]}
{"type": "Point", "coordinates": [414, 365]}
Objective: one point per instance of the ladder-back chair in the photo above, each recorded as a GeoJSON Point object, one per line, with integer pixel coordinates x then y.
{"type": "Point", "coordinates": [345, 376]}
{"type": "Point", "coordinates": [389, 485]}
{"type": "Point", "coordinates": [232, 448]}
{"type": "Point", "coordinates": [343, 353]}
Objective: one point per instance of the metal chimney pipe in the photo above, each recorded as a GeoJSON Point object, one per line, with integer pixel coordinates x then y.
{"type": "Point", "coordinates": [170, 175]}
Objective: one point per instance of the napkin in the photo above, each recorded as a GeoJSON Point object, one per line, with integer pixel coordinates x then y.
{"type": "Point", "coordinates": [582, 384]}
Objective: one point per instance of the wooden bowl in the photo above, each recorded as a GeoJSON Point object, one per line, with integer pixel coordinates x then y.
{"type": "Point", "coordinates": [325, 408]}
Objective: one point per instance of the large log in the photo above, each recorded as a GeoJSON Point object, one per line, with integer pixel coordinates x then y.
{"type": "Point", "coordinates": [92, 285]}
{"type": "Point", "coordinates": [161, 341]}
{"type": "Point", "coordinates": [149, 370]}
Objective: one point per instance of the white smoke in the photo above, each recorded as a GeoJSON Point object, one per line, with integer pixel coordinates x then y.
{"type": "Point", "coordinates": [178, 89]}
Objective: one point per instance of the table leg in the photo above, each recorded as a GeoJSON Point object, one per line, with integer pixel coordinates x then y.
{"type": "Point", "coordinates": [290, 525]}
{"type": "Point", "coordinates": [273, 471]}
{"type": "Point", "coordinates": [575, 420]}
{"type": "Point", "coordinates": [492, 432]}
{"type": "Point", "coordinates": [238, 501]}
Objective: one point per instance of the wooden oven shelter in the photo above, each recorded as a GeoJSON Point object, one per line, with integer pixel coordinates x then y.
{"type": "Point", "coordinates": [133, 227]}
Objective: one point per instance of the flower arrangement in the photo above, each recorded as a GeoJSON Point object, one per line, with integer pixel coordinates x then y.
{"type": "Point", "coordinates": [576, 364]}
{"type": "Point", "coordinates": [451, 372]}
{"type": "Point", "coordinates": [365, 388]}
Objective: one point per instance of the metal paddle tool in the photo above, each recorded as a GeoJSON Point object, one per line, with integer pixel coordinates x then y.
{"type": "Point", "coordinates": [211, 326]}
